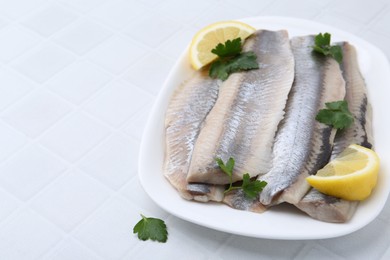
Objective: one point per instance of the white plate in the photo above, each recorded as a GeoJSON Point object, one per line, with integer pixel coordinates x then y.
{"type": "Point", "coordinates": [282, 222]}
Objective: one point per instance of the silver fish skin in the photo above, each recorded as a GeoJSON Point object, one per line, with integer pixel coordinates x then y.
{"type": "Point", "coordinates": [186, 112]}
{"type": "Point", "coordinates": [236, 199]}
{"type": "Point", "coordinates": [360, 132]}
{"type": "Point", "coordinates": [243, 122]}
{"type": "Point", "coordinates": [302, 144]}
{"type": "Point", "coordinates": [327, 208]}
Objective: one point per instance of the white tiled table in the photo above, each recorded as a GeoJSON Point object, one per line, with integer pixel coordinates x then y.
{"type": "Point", "coordinates": [77, 80]}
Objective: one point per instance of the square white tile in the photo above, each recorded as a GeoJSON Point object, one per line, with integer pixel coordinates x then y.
{"type": "Point", "coordinates": [74, 136]}
{"type": "Point", "coordinates": [152, 3]}
{"type": "Point", "coordinates": [30, 171]}
{"type": "Point", "coordinates": [71, 249]}
{"type": "Point", "coordinates": [315, 251]}
{"type": "Point", "coordinates": [301, 8]}
{"type": "Point", "coordinates": [36, 112]}
{"type": "Point", "coordinates": [49, 19]}
{"type": "Point", "coordinates": [117, 53]}
{"type": "Point", "coordinates": [136, 124]}
{"type": "Point", "coordinates": [2, 23]}
{"type": "Point", "coordinates": [161, 26]}
{"type": "Point", "coordinates": [189, 10]}
{"type": "Point", "coordinates": [382, 25]}
{"type": "Point", "coordinates": [251, 7]}
{"type": "Point", "coordinates": [373, 236]}
{"type": "Point", "coordinates": [70, 199]}
{"type": "Point", "coordinates": [27, 236]}
{"type": "Point", "coordinates": [359, 10]}
{"type": "Point", "coordinates": [177, 43]}
{"type": "Point", "coordinates": [79, 81]}
{"type": "Point", "coordinates": [82, 36]}
{"type": "Point", "coordinates": [379, 40]}
{"type": "Point", "coordinates": [119, 13]}
{"type": "Point", "coordinates": [13, 86]}
{"type": "Point", "coordinates": [114, 162]}
{"type": "Point", "coordinates": [169, 250]}
{"type": "Point", "coordinates": [221, 12]}
{"type": "Point", "coordinates": [202, 243]}
{"type": "Point", "coordinates": [10, 140]}
{"type": "Point", "coordinates": [249, 248]}
{"type": "Point", "coordinates": [134, 192]}
{"type": "Point", "coordinates": [14, 41]}
{"type": "Point", "coordinates": [117, 102]}
{"type": "Point", "coordinates": [16, 9]}
{"type": "Point", "coordinates": [112, 222]}
{"type": "Point", "coordinates": [8, 204]}
{"type": "Point", "coordinates": [42, 63]}
{"type": "Point", "coordinates": [83, 5]}
{"type": "Point", "coordinates": [155, 68]}
{"type": "Point", "coordinates": [343, 23]}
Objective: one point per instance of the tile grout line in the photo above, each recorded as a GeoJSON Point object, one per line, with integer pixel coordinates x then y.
{"type": "Point", "coordinates": [377, 16]}
{"type": "Point", "coordinates": [368, 26]}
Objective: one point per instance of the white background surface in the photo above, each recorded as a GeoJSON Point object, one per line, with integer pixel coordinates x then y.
{"type": "Point", "coordinates": [77, 80]}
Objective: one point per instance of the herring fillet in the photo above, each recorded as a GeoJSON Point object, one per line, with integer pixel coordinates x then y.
{"type": "Point", "coordinates": [302, 144]}
{"type": "Point", "coordinates": [360, 132]}
{"type": "Point", "coordinates": [243, 122]}
{"type": "Point", "coordinates": [327, 208]}
{"type": "Point", "coordinates": [187, 109]}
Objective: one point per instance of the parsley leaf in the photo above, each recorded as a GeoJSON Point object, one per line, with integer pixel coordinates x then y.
{"type": "Point", "coordinates": [230, 48]}
{"type": "Point", "coordinates": [223, 68]}
{"type": "Point", "coordinates": [227, 168]}
{"type": "Point", "coordinates": [322, 45]}
{"type": "Point", "coordinates": [250, 188]}
{"type": "Point", "coordinates": [322, 39]}
{"type": "Point", "coordinates": [231, 59]}
{"type": "Point", "coordinates": [151, 228]}
{"type": "Point", "coordinates": [336, 114]}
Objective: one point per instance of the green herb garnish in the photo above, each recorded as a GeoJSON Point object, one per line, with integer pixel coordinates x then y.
{"type": "Point", "coordinates": [229, 49]}
{"type": "Point", "coordinates": [322, 45]}
{"type": "Point", "coordinates": [231, 59]}
{"type": "Point", "coordinates": [249, 187]}
{"type": "Point", "coordinates": [336, 114]}
{"type": "Point", "coordinates": [151, 228]}
{"type": "Point", "coordinates": [252, 188]}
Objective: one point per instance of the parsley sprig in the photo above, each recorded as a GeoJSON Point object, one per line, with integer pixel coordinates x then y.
{"type": "Point", "coordinates": [151, 228]}
{"type": "Point", "coordinates": [249, 187]}
{"type": "Point", "coordinates": [336, 114]}
{"type": "Point", "coordinates": [322, 45]}
{"type": "Point", "coordinates": [231, 59]}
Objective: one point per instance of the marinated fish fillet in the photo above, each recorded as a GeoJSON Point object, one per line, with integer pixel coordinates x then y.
{"type": "Point", "coordinates": [236, 199]}
{"type": "Point", "coordinates": [360, 132]}
{"type": "Point", "coordinates": [187, 109]}
{"type": "Point", "coordinates": [243, 122]}
{"type": "Point", "coordinates": [327, 208]}
{"type": "Point", "coordinates": [302, 144]}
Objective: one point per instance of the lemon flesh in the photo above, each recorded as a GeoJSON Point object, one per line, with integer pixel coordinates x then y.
{"type": "Point", "coordinates": [210, 36]}
{"type": "Point", "coordinates": [351, 176]}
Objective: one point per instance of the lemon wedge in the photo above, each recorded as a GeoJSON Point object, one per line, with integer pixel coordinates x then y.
{"type": "Point", "coordinates": [207, 38]}
{"type": "Point", "coordinates": [352, 175]}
